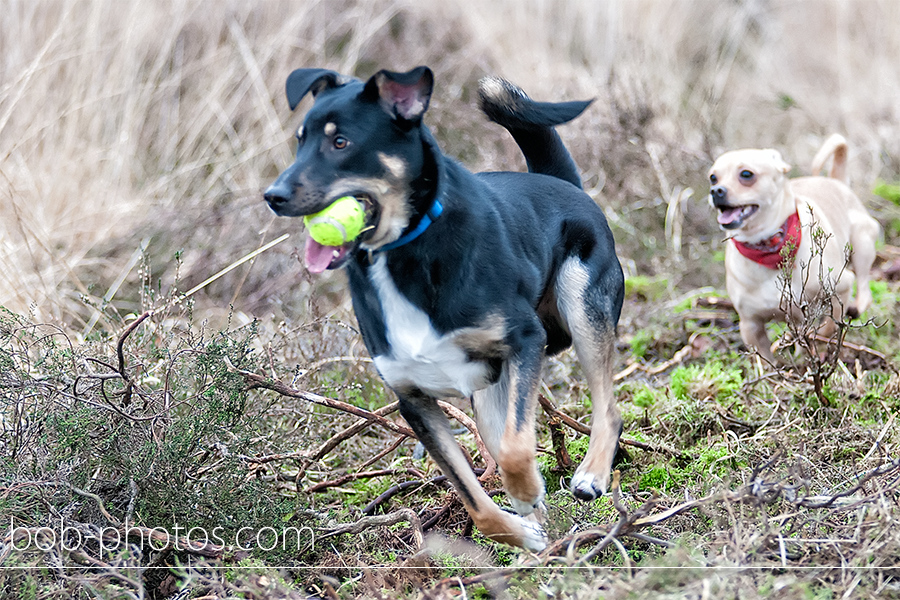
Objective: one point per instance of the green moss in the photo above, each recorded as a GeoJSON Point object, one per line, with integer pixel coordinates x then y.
{"type": "Point", "coordinates": [646, 397]}
{"type": "Point", "coordinates": [880, 291]}
{"type": "Point", "coordinates": [647, 288]}
{"type": "Point", "coordinates": [655, 478]}
{"type": "Point", "coordinates": [715, 460]}
{"type": "Point", "coordinates": [577, 447]}
{"type": "Point", "coordinates": [888, 191]}
{"type": "Point", "coordinates": [641, 342]}
{"type": "Point", "coordinates": [711, 379]}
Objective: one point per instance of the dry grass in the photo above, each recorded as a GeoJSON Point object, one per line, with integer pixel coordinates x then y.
{"type": "Point", "coordinates": [135, 140]}
{"type": "Point", "coordinates": [123, 123]}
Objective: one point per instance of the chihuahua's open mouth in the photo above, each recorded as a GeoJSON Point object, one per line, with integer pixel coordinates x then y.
{"type": "Point", "coordinates": [732, 217]}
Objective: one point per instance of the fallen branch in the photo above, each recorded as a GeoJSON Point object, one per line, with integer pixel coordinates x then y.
{"type": "Point", "coordinates": [396, 444]}
{"type": "Point", "coordinates": [347, 433]}
{"type": "Point", "coordinates": [433, 519]}
{"type": "Point", "coordinates": [256, 461]}
{"type": "Point", "coordinates": [554, 412]}
{"type": "Point", "coordinates": [490, 465]}
{"type": "Point", "coordinates": [692, 349]}
{"type": "Point", "coordinates": [398, 516]}
{"type": "Point", "coordinates": [558, 439]}
{"type": "Point", "coordinates": [369, 508]}
{"type": "Point", "coordinates": [355, 476]}
{"type": "Point", "coordinates": [855, 347]}
{"type": "Point", "coordinates": [255, 381]}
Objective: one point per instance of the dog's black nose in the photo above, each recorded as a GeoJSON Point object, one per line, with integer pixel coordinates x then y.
{"type": "Point", "coordinates": [278, 194]}
{"type": "Point", "coordinates": [718, 194]}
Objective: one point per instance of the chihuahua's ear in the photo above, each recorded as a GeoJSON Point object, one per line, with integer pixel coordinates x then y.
{"type": "Point", "coordinates": [404, 96]}
{"type": "Point", "coordinates": [779, 162]}
{"type": "Point", "coordinates": [303, 81]}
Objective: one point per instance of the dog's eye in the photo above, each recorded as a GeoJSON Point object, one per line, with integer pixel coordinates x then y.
{"type": "Point", "coordinates": [747, 175]}
{"type": "Point", "coordinates": [713, 179]}
{"type": "Point", "coordinates": [340, 142]}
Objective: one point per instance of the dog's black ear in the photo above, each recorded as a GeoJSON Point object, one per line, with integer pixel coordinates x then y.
{"type": "Point", "coordinates": [303, 81]}
{"type": "Point", "coordinates": [403, 95]}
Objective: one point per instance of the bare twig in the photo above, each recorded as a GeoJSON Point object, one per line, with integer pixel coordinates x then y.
{"type": "Point", "coordinates": [339, 437]}
{"type": "Point", "coordinates": [396, 444]}
{"type": "Point", "coordinates": [255, 381]}
{"type": "Point", "coordinates": [398, 516]}
{"type": "Point", "coordinates": [354, 476]}
{"type": "Point", "coordinates": [490, 465]}
{"type": "Point", "coordinates": [551, 410]}
{"type": "Point", "coordinates": [120, 345]}
{"type": "Point", "coordinates": [388, 494]}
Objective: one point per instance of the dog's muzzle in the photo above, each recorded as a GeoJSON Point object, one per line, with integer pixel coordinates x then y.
{"type": "Point", "coordinates": [278, 196]}
{"type": "Point", "coordinates": [730, 217]}
{"type": "Point", "coordinates": [286, 198]}
{"type": "Point", "coordinates": [719, 196]}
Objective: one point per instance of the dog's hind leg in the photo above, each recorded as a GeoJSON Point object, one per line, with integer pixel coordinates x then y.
{"type": "Point", "coordinates": [588, 305]}
{"type": "Point", "coordinates": [428, 421]}
{"type": "Point", "coordinates": [753, 333]}
{"type": "Point", "coordinates": [862, 242]}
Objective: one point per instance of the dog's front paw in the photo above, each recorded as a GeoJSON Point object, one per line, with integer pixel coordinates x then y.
{"type": "Point", "coordinates": [508, 528]}
{"type": "Point", "coordinates": [534, 537]}
{"type": "Point", "coordinates": [587, 486]}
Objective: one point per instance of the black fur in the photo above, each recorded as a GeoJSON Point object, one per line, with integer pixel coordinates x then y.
{"type": "Point", "coordinates": [495, 252]}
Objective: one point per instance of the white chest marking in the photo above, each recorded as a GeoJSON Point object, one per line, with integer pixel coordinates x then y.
{"type": "Point", "coordinates": [419, 355]}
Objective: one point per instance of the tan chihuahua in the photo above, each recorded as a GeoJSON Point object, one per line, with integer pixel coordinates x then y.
{"type": "Point", "coordinates": [771, 220]}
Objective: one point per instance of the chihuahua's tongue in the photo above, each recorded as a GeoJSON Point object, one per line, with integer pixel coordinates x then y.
{"type": "Point", "coordinates": [318, 257]}
{"type": "Point", "coordinates": [730, 215]}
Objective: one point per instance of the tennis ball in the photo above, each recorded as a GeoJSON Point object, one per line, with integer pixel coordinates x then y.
{"type": "Point", "coordinates": [337, 224]}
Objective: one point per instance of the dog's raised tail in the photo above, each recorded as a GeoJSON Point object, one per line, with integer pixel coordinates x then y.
{"type": "Point", "coordinates": [836, 147]}
{"type": "Point", "coordinates": [531, 124]}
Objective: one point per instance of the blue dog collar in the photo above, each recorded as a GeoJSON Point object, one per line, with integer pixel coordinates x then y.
{"type": "Point", "coordinates": [427, 219]}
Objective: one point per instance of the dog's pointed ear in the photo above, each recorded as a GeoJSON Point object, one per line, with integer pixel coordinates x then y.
{"type": "Point", "coordinates": [779, 162]}
{"type": "Point", "coordinates": [303, 81]}
{"type": "Point", "coordinates": [403, 95]}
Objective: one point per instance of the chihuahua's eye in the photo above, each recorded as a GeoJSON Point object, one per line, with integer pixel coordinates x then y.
{"type": "Point", "coordinates": [713, 179]}
{"type": "Point", "coordinates": [340, 142]}
{"type": "Point", "coordinates": [746, 175]}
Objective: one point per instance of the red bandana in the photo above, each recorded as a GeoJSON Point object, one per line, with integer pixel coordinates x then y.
{"type": "Point", "coordinates": [768, 252]}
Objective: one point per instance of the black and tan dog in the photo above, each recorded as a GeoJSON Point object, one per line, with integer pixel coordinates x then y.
{"type": "Point", "coordinates": [462, 283]}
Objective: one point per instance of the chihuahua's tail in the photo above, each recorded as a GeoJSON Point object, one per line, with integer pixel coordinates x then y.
{"type": "Point", "coordinates": [531, 125]}
{"type": "Point", "coordinates": [836, 147]}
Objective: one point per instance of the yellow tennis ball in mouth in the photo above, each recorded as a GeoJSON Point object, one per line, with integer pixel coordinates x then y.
{"type": "Point", "coordinates": [337, 224]}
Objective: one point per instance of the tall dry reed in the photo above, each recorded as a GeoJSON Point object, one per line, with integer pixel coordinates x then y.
{"type": "Point", "coordinates": [130, 123]}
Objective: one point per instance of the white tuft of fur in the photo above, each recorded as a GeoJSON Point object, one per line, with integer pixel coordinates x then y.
{"type": "Point", "coordinates": [419, 355]}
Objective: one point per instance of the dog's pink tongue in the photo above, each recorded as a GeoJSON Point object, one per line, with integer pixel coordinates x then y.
{"type": "Point", "coordinates": [729, 215]}
{"type": "Point", "coordinates": [318, 257]}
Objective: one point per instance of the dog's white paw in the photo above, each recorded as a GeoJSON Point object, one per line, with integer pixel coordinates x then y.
{"type": "Point", "coordinates": [534, 537]}
{"type": "Point", "coordinates": [585, 486]}
{"type": "Point", "coordinates": [524, 507]}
